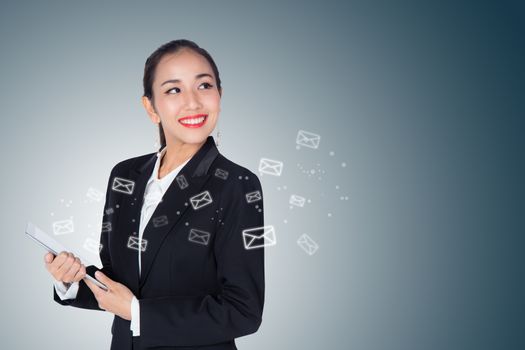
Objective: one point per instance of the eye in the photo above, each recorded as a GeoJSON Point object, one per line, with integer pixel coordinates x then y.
{"type": "Point", "coordinates": [208, 84]}
{"type": "Point", "coordinates": [169, 91]}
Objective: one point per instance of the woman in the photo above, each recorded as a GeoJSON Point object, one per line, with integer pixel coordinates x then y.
{"type": "Point", "coordinates": [180, 267]}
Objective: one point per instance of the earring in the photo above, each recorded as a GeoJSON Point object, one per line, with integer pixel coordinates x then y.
{"type": "Point", "coordinates": [218, 135]}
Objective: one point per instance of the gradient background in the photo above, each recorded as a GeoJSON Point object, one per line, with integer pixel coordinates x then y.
{"type": "Point", "coordinates": [423, 103]}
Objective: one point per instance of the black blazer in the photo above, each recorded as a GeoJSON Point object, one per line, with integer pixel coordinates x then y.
{"type": "Point", "coordinates": [191, 294]}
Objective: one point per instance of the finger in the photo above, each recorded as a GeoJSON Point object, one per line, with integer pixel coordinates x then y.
{"type": "Point", "coordinates": [70, 274]}
{"type": "Point", "coordinates": [48, 258]}
{"type": "Point", "coordinates": [58, 261]}
{"type": "Point", "coordinates": [66, 266]}
{"type": "Point", "coordinates": [80, 274]}
{"type": "Point", "coordinates": [103, 278]}
{"type": "Point", "coordinates": [94, 288]}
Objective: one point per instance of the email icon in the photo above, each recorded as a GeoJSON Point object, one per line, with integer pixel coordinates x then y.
{"type": "Point", "coordinates": [106, 226]}
{"type": "Point", "coordinates": [137, 243]}
{"type": "Point", "coordinates": [297, 200]}
{"type": "Point", "coordinates": [123, 185]}
{"type": "Point", "coordinates": [182, 182]}
{"type": "Point", "coordinates": [201, 200]}
{"type": "Point", "coordinates": [198, 236]}
{"type": "Point", "coordinates": [307, 244]}
{"type": "Point", "coordinates": [94, 194]}
{"type": "Point", "coordinates": [159, 221]}
{"type": "Point", "coordinates": [92, 246]}
{"type": "Point", "coordinates": [221, 174]}
{"type": "Point", "coordinates": [258, 237]}
{"type": "Point", "coordinates": [308, 139]}
{"type": "Point", "coordinates": [63, 227]}
{"type": "Point", "coordinates": [270, 167]}
{"type": "Point", "coordinates": [253, 196]}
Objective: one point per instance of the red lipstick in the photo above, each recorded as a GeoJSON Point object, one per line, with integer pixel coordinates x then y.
{"type": "Point", "coordinates": [193, 121]}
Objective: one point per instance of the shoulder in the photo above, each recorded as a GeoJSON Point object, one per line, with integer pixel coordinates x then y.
{"type": "Point", "coordinates": [239, 177]}
{"type": "Point", "coordinates": [126, 165]}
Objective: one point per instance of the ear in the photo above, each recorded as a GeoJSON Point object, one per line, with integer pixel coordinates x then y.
{"type": "Point", "coordinates": [150, 109]}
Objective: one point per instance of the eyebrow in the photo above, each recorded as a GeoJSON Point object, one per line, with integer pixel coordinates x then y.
{"type": "Point", "coordinates": [198, 76]}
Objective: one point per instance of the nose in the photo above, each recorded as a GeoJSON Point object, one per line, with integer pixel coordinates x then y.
{"type": "Point", "coordinates": [192, 101]}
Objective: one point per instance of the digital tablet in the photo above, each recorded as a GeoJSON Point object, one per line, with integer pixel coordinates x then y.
{"type": "Point", "coordinates": [53, 246]}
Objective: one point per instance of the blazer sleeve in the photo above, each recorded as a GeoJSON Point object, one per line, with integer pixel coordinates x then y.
{"type": "Point", "coordinates": [85, 298]}
{"type": "Point", "coordinates": [237, 309]}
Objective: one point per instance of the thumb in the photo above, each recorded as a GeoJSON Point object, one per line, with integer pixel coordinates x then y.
{"type": "Point", "coordinates": [48, 258]}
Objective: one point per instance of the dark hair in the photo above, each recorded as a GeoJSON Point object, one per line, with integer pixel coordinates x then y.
{"type": "Point", "coordinates": [154, 59]}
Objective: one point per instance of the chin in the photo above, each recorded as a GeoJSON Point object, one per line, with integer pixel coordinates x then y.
{"type": "Point", "coordinates": [193, 137]}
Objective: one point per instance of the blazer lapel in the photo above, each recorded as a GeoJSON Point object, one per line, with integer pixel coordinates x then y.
{"type": "Point", "coordinates": [172, 207]}
{"type": "Point", "coordinates": [129, 223]}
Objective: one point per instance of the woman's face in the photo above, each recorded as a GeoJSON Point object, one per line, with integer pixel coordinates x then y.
{"type": "Point", "coordinates": [186, 98]}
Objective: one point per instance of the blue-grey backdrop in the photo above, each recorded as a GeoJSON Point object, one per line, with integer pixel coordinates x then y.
{"type": "Point", "coordinates": [415, 195]}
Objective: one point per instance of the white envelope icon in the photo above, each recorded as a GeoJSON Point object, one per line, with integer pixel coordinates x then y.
{"type": "Point", "coordinates": [63, 227]}
{"type": "Point", "coordinates": [297, 200]}
{"type": "Point", "coordinates": [221, 174]}
{"type": "Point", "coordinates": [307, 244]}
{"type": "Point", "coordinates": [92, 246]}
{"type": "Point", "coordinates": [94, 194]}
{"type": "Point", "coordinates": [106, 226]}
{"type": "Point", "coordinates": [181, 181]}
{"type": "Point", "coordinates": [258, 237]}
{"type": "Point", "coordinates": [270, 166]}
{"type": "Point", "coordinates": [308, 139]}
{"type": "Point", "coordinates": [137, 244]}
{"type": "Point", "coordinates": [123, 185]}
{"type": "Point", "coordinates": [198, 236]}
{"type": "Point", "coordinates": [253, 196]}
{"type": "Point", "coordinates": [159, 221]}
{"type": "Point", "coordinates": [200, 200]}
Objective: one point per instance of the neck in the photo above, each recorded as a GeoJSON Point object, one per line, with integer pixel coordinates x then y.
{"type": "Point", "coordinates": [177, 152]}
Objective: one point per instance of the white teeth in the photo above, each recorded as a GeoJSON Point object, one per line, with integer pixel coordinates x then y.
{"type": "Point", "coordinates": [193, 121]}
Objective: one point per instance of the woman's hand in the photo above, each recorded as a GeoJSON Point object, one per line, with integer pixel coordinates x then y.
{"type": "Point", "coordinates": [117, 299]}
{"type": "Point", "coordinates": [65, 267]}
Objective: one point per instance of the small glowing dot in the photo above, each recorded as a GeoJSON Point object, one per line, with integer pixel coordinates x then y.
{"type": "Point", "coordinates": [186, 223]}
{"type": "Point", "coordinates": [246, 177]}
{"type": "Point", "coordinates": [332, 153]}
{"type": "Point", "coordinates": [343, 164]}
{"type": "Point", "coordinates": [285, 221]}
{"type": "Point", "coordinates": [312, 171]}
{"type": "Point", "coordinates": [117, 206]}
{"type": "Point", "coordinates": [346, 197]}
{"type": "Point", "coordinates": [178, 212]}
{"type": "Point", "coordinates": [278, 188]}
{"type": "Point", "coordinates": [132, 203]}
{"type": "Point", "coordinates": [329, 215]}
{"type": "Point", "coordinates": [284, 187]}
{"type": "Point", "coordinates": [297, 147]}
{"type": "Point", "coordinates": [186, 204]}
{"type": "Point", "coordinates": [309, 201]}
{"type": "Point", "coordinates": [336, 187]}
{"type": "Point", "coordinates": [260, 210]}
{"type": "Point", "coordinates": [213, 218]}
{"type": "Point", "coordinates": [52, 214]}
{"type": "Point", "coordinates": [132, 220]}
{"type": "Point", "coordinates": [240, 177]}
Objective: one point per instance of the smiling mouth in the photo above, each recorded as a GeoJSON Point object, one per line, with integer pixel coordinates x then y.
{"type": "Point", "coordinates": [194, 121]}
